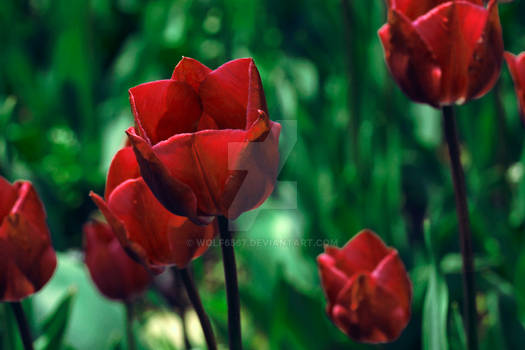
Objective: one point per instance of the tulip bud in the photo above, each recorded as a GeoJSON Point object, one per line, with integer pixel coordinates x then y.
{"type": "Point", "coordinates": [28, 258]}
{"type": "Point", "coordinates": [114, 273]}
{"type": "Point", "coordinates": [517, 70]}
{"type": "Point", "coordinates": [443, 52]}
{"type": "Point", "coordinates": [367, 287]}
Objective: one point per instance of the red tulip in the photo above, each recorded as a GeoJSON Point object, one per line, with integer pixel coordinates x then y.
{"type": "Point", "coordinates": [143, 226]}
{"type": "Point", "coordinates": [204, 141]}
{"type": "Point", "coordinates": [27, 257]}
{"type": "Point", "coordinates": [114, 273]}
{"type": "Point", "coordinates": [443, 52]}
{"type": "Point", "coordinates": [367, 287]}
{"type": "Point", "coordinates": [517, 70]}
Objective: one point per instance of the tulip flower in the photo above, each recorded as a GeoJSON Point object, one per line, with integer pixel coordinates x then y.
{"type": "Point", "coordinates": [114, 273]}
{"type": "Point", "coordinates": [517, 70]}
{"type": "Point", "coordinates": [27, 256]}
{"type": "Point", "coordinates": [204, 141]}
{"type": "Point", "coordinates": [148, 231]}
{"type": "Point", "coordinates": [367, 287]}
{"type": "Point", "coordinates": [443, 52]}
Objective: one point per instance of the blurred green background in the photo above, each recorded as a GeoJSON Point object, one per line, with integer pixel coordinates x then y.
{"type": "Point", "coordinates": [361, 155]}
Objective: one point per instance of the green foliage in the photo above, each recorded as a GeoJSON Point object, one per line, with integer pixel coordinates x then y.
{"type": "Point", "coordinates": [363, 156]}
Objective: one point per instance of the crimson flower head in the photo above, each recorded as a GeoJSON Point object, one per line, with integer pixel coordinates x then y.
{"type": "Point", "coordinates": [143, 226]}
{"type": "Point", "coordinates": [27, 258]}
{"type": "Point", "coordinates": [204, 141]}
{"type": "Point", "coordinates": [115, 274]}
{"type": "Point", "coordinates": [367, 287]}
{"type": "Point", "coordinates": [443, 52]}
{"type": "Point", "coordinates": [517, 70]}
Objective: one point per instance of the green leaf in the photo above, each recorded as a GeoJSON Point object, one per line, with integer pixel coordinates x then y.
{"type": "Point", "coordinates": [435, 306]}
{"type": "Point", "coordinates": [457, 330]}
{"type": "Point", "coordinates": [94, 320]}
{"type": "Point", "coordinates": [54, 327]}
{"type": "Point", "coordinates": [9, 330]}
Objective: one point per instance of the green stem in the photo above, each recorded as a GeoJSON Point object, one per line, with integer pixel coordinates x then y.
{"type": "Point", "coordinates": [232, 289]}
{"type": "Point", "coordinates": [195, 299]}
{"type": "Point", "coordinates": [129, 326]}
{"type": "Point", "coordinates": [23, 326]}
{"type": "Point", "coordinates": [458, 177]}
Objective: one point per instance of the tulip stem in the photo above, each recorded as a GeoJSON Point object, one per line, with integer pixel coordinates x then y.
{"type": "Point", "coordinates": [129, 326]}
{"type": "Point", "coordinates": [23, 326]}
{"type": "Point", "coordinates": [458, 177]}
{"type": "Point", "coordinates": [232, 288]}
{"type": "Point", "coordinates": [193, 295]}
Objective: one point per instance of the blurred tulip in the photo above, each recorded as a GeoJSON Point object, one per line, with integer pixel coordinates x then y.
{"type": "Point", "coordinates": [27, 257]}
{"type": "Point", "coordinates": [143, 226]}
{"type": "Point", "coordinates": [204, 141]}
{"type": "Point", "coordinates": [114, 273]}
{"type": "Point", "coordinates": [517, 70]}
{"type": "Point", "coordinates": [367, 287]}
{"type": "Point", "coordinates": [443, 52]}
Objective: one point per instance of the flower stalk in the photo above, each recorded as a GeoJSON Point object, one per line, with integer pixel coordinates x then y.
{"type": "Point", "coordinates": [195, 300]}
{"type": "Point", "coordinates": [129, 326]}
{"type": "Point", "coordinates": [232, 288]}
{"type": "Point", "coordinates": [458, 177]}
{"type": "Point", "coordinates": [23, 326]}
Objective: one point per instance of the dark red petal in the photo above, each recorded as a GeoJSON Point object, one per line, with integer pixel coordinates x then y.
{"type": "Point", "coordinates": [176, 196]}
{"type": "Point", "coordinates": [412, 64]}
{"type": "Point", "coordinates": [485, 65]}
{"type": "Point", "coordinates": [165, 108]}
{"type": "Point", "coordinates": [415, 8]}
{"type": "Point", "coordinates": [8, 195]}
{"type": "Point", "coordinates": [224, 93]}
{"type": "Point", "coordinates": [362, 253]}
{"type": "Point", "coordinates": [332, 279]}
{"type": "Point", "coordinates": [27, 258]}
{"type": "Point", "coordinates": [392, 276]}
{"type": "Point", "coordinates": [230, 171]}
{"type": "Point", "coordinates": [517, 71]}
{"type": "Point", "coordinates": [165, 238]}
{"type": "Point", "coordinates": [368, 313]}
{"type": "Point", "coordinates": [254, 164]}
{"type": "Point", "coordinates": [452, 31]}
{"type": "Point", "coordinates": [191, 72]}
{"type": "Point", "coordinates": [115, 274]}
{"type": "Point", "coordinates": [256, 97]}
{"type": "Point", "coordinates": [207, 123]}
{"type": "Point", "coordinates": [134, 251]}
{"type": "Point", "coordinates": [124, 166]}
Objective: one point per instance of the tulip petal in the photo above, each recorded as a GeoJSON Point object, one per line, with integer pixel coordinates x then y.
{"type": "Point", "coordinates": [362, 253]}
{"type": "Point", "coordinates": [413, 9]}
{"type": "Point", "coordinates": [516, 66]}
{"type": "Point", "coordinates": [27, 256]}
{"type": "Point", "coordinates": [254, 164]}
{"type": "Point", "coordinates": [134, 251]}
{"type": "Point", "coordinates": [486, 61]}
{"type": "Point", "coordinates": [164, 108]}
{"type": "Point", "coordinates": [391, 275]}
{"type": "Point", "coordinates": [452, 31]}
{"type": "Point", "coordinates": [332, 279]}
{"type": "Point", "coordinates": [114, 273]}
{"type": "Point", "coordinates": [7, 198]}
{"type": "Point", "coordinates": [367, 313]}
{"type": "Point", "coordinates": [175, 195]}
{"type": "Point", "coordinates": [224, 93]}
{"type": "Point", "coordinates": [207, 123]}
{"type": "Point", "coordinates": [412, 64]}
{"type": "Point", "coordinates": [215, 164]}
{"type": "Point", "coordinates": [165, 238]}
{"type": "Point", "coordinates": [190, 71]}
{"type": "Point", "coordinates": [124, 166]}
